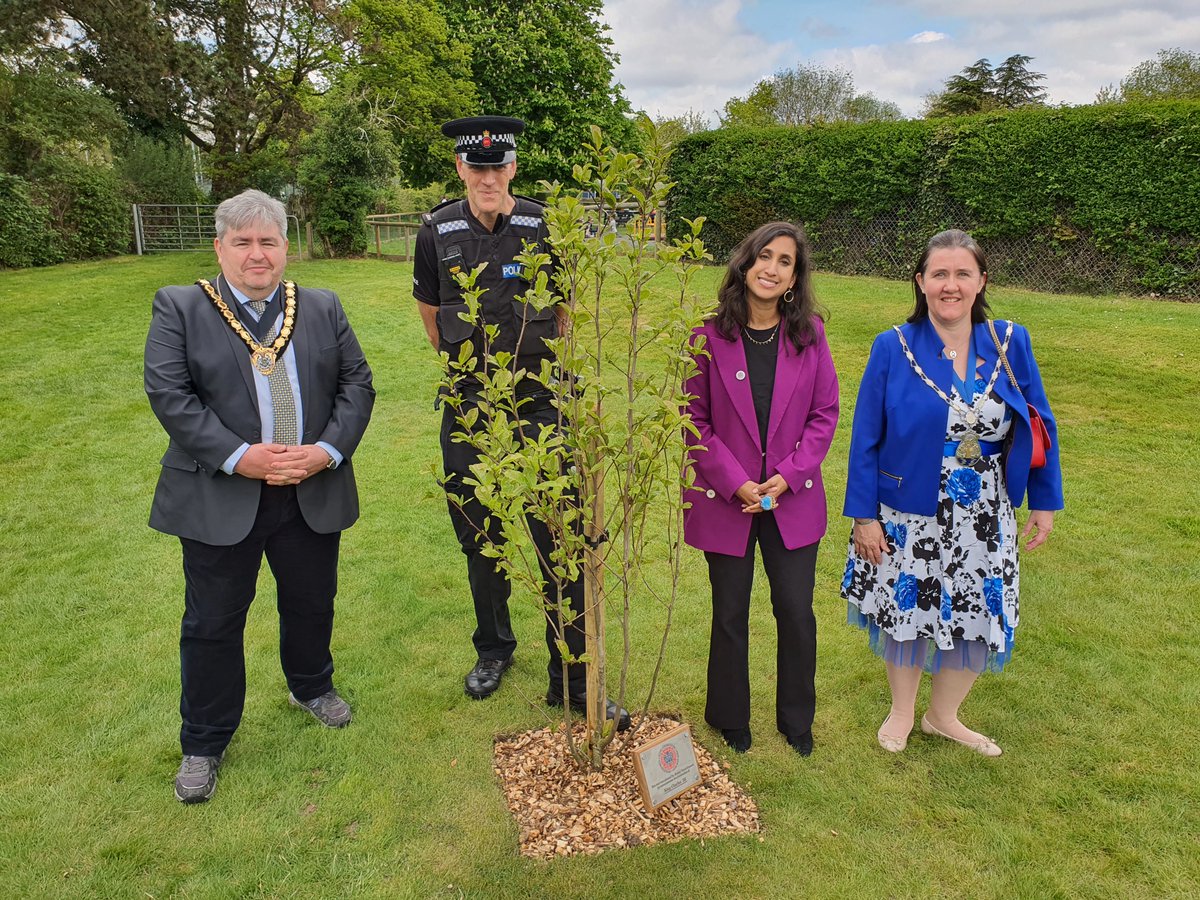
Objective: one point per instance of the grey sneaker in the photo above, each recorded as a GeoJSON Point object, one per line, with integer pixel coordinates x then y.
{"type": "Point", "coordinates": [329, 709]}
{"type": "Point", "coordinates": [197, 778]}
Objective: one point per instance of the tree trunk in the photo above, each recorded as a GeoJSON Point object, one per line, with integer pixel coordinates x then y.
{"type": "Point", "coordinates": [593, 621]}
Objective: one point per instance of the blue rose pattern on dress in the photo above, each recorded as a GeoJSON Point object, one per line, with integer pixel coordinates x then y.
{"type": "Point", "coordinates": [946, 610]}
{"type": "Point", "coordinates": [953, 575]}
{"type": "Point", "coordinates": [993, 596]}
{"type": "Point", "coordinates": [906, 592]}
{"type": "Point", "coordinates": [963, 486]}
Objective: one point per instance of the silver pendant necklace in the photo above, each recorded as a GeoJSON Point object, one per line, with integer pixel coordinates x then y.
{"type": "Point", "coordinates": [752, 339]}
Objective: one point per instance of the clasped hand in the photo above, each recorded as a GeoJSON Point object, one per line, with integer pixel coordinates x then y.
{"type": "Point", "coordinates": [751, 494]}
{"type": "Point", "coordinates": [278, 464]}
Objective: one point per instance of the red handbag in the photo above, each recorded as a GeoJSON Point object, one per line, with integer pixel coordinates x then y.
{"type": "Point", "coordinates": [1037, 427]}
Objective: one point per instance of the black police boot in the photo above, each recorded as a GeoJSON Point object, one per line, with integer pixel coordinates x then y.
{"type": "Point", "coordinates": [483, 680]}
{"type": "Point", "coordinates": [737, 738]}
{"type": "Point", "coordinates": [579, 705]}
{"type": "Point", "coordinates": [802, 743]}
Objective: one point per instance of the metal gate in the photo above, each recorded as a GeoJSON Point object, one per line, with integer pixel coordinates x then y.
{"type": "Point", "coordinates": [160, 228]}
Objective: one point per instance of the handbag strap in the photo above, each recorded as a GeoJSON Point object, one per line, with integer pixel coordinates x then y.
{"type": "Point", "coordinates": [1004, 357]}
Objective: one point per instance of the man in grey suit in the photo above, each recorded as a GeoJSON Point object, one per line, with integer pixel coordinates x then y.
{"type": "Point", "coordinates": [265, 394]}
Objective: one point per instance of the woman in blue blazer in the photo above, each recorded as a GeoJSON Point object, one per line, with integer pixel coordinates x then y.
{"type": "Point", "coordinates": [940, 456]}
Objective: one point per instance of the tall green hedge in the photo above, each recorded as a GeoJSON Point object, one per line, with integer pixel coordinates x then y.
{"type": "Point", "coordinates": [1087, 198]}
{"type": "Point", "coordinates": [26, 238]}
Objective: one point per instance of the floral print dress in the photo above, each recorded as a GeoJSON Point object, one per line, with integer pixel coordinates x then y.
{"type": "Point", "coordinates": [946, 596]}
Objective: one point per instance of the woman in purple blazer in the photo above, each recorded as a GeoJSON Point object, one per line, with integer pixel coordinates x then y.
{"type": "Point", "coordinates": [764, 404]}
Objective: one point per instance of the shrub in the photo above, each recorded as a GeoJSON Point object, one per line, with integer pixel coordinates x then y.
{"type": "Point", "coordinates": [26, 238]}
{"type": "Point", "coordinates": [1088, 198]}
{"type": "Point", "coordinates": [158, 171]}
{"type": "Point", "coordinates": [87, 206]}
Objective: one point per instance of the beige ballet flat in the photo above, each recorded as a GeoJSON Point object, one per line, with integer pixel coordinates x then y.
{"type": "Point", "coordinates": [985, 746]}
{"type": "Point", "coordinates": [889, 743]}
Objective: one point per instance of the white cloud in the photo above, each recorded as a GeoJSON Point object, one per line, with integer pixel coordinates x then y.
{"type": "Point", "coordinates": [695, 54]}
{"type": "Point", "coordinates": [678, 55]}
{"type": "Point", "coordinates": [1078, 54]}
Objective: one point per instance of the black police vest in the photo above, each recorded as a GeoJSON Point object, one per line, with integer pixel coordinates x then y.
{"type": "Point", "coordinates": [459, 246]}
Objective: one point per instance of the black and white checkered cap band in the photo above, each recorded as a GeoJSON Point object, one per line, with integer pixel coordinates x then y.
{"type": "Point", "coordinates": [476, 141]}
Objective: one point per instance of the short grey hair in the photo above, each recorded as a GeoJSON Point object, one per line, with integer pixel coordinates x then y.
{"type": "Point", "coordinates": [250, 207]}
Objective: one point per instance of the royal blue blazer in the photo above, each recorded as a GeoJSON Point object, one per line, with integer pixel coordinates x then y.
{"type": "Point", "coordinates": [899, 429]}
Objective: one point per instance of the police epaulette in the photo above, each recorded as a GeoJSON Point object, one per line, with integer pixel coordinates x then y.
{"type": "Point", "coordinates": [427, 218]}
{"type": "Point", "coordinates": [530, 199]}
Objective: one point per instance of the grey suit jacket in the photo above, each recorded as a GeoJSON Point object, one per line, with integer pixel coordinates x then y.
{"type": "Point", "coordinates": [201, 388]}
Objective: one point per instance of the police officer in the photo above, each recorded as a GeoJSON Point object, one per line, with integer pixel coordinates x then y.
{"type": "Point", "coordinates": [491, 225]}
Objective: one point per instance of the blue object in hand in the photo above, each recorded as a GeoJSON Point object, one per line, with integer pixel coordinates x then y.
{"type": "Point", "coordinates": [767, 503]}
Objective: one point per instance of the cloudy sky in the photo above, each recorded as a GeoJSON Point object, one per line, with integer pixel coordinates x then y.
{"type": "Point", "coordinates": [678, 55]}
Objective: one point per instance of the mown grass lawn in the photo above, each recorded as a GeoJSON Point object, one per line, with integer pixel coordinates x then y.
{"type": "Point", "coordinates": [1097, 795]}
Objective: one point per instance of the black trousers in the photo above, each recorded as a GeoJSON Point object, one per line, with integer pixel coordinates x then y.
{"type": "Point", "coordinates": [490, 589]}
{"type": "Point", "coordinates": [791, 574]}
{"type": "Point", "coordinates": [219, 587]}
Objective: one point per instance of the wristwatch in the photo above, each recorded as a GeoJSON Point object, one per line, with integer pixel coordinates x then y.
{"type": "Point", "coordinates": [332, 462]}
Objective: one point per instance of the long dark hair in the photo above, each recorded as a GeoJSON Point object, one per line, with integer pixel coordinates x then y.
{"type": "Point", "coordinates": [797, 315]}
{"type": "Point", "coordinates": [949, 240]}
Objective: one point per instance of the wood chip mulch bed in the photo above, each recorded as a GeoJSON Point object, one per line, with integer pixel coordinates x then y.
{"type": "Point", "coordinates": [562, 810]}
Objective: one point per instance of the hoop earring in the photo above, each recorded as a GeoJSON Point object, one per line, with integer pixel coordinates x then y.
{"type": "Point", "coordinates": [789, 295]}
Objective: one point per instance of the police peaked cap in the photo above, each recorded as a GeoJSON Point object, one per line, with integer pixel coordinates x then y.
{"type": "Point", "coordinates": [485, 140]}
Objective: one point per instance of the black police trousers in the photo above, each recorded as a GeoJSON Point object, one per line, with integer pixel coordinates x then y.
{"type": "Point", "coordinates": [490, 588]}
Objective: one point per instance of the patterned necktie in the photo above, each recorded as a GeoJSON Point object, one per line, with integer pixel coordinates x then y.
{"type": "Point", "coordinates": [282, 400]}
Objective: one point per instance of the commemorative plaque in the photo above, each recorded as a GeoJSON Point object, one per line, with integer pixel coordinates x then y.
{"type": "Point", "coordinates": [666, 767]}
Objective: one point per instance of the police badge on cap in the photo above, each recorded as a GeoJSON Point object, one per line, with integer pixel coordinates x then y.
{"type": "Point", "coordinates": [485, 140]}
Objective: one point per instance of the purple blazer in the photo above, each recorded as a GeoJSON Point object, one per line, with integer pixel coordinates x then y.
{"type": "Point", "coordinates": [727, 452]}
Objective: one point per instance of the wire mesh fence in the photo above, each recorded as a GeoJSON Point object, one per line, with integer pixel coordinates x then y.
{"type": "Point", "coordinates": [1057, 259]}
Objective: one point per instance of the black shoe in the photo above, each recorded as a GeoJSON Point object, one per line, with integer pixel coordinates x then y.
{"type": "Point", "coordinates": [483, 680]}
{"type": "Point", "coordinates": [802, 743]}
{"type": "Point", "coordinates": [579, 705]}
{"type": "Point", "coordinates": [197, 778]}
{"type": "Point", "coordinates": [737, 738]}
{"type": "Point", "coordinates": [329, 709]}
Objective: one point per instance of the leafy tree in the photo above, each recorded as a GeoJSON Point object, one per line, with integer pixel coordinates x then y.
{"type": "Point", "coordinates": [62, 198]}
{"type": "Point", "coordinates": [672, 130]}
{"type": "Point", "coordinates": [231, 75]}
{"type": "Point", "coordinates": [757, 109]}
{"type": "Point", "coordinates": [158, 170]}
{"type": "Point", "coordinates": [607, 481]}
{"type": "Point", "coordinates": [550, 63]}
{"type": "Point", "coordinates": [346, 165]}
{"type": "Point", "coordinates": [869, 108]}
{"type": "Point", "coordinates": [807, 95]}
{"type": "Point", "coordinates": [970, 91]}
{"type": "Point", "coordinates": [237, 77]}
{"type": "Point", "coordinates": [416, 77]}
{"type": "Point", "coordinates": [45, 112]}
{"type": "Point", "coordinates": [1015, 86]}
{"type": "Point", "coordinates": [1173, 75]}
{"type": "Point", "coordinates": [980, 88]}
